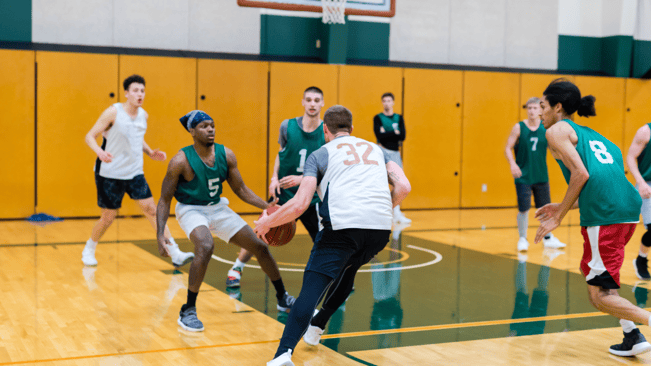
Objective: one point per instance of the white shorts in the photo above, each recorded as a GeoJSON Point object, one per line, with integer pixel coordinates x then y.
{"type": "Point", "coordinates": [646, 209]}
{"type": "Point", "coordinates": [219, 219]}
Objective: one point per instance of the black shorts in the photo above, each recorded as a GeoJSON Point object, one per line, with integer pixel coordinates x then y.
{"type": "Point", "coordinates": [335, 250]}
{"type": "Point", "coordinates": [111, 191]}
{"type": "Point", "coordinates": [540, 195]}
{"type": "Point", "coordinates": [310, 219]}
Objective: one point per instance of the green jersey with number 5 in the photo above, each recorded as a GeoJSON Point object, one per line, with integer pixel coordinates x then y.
{"type": "Point", "coordinates": [205, 188]}
{"type": "Point", "coordinates": [607, 197]}
{"type": "Point", "coordinates": [531, 155]}
{"type": "Point", "coordinates": [299, 146]}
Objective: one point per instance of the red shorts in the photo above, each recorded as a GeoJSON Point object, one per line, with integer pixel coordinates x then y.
{"type": "Point", "coordinates": [603, 253]}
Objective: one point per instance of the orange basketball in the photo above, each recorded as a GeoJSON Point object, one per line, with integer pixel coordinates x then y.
{"type": "Point", "coordinates": [280, 235]}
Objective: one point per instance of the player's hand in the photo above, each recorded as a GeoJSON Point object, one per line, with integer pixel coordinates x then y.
{"type": "Point", "coordinates": [105, 156]}
{"type": "Point", "coordinates": [515, 171]}
{"type": "Point", "coordinates": [274, 187]}
{"type": "Point", "coordinates": [273, 202]}
{"type": "Point", "coordinates": [262, 227]}
{"type": "Point", "coordinates": [158, 155]}
{"type": "Point", "coordinates": [645, 190]}
{"type": "Point", "coordinates": [549, 217]}
{"type": "Point", "coordinates": [290, 181]}
{"type": "Point", "coordinates": [162, 246]}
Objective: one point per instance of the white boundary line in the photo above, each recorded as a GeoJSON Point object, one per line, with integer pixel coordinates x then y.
{"type": "Point", "coordinates": [437, 255]}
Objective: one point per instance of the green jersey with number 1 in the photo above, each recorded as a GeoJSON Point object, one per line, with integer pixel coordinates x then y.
{"type": "Point", "coordinates": [205, 188]}
{"type": "Point", "coordinates": [531, 155]}
{"type": "Point", "coordinates": [299, 146]}
{"type": "Point", "coordinates": [607, 197]}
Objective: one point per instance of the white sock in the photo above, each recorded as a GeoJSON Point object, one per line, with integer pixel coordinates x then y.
{"type": "Point", "coordinates": [523, 224]}
{"type": "Point", "coordinates": [173, 243]}
{"type": "Point", "coordinates": [627, 325]}
{"type": "Point", "coordinates": [643, 255]}
{"type": "Point", "coordinates": [91, 244]}
{"type": "Point", "coordinates": [396, 211]}
{"type": "Point", "coordinates": [239, 263]}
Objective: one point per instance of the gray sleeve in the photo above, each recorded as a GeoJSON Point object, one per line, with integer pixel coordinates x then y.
{"type": "Point", "coordinates": [316, 164]}
{"type": "Point", "coordinates": [282, 136]}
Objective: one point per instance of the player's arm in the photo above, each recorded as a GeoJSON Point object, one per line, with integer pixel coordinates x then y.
{"type": "Point", "coordinates": [400, 183]}
{"type": "Point", "coordinates": [274, 185]}
{"type": "Point", "coordinates": [403, 131]}
{"type": "Point", "coordinates": [561, 146]}
{"type": "Point", "coordinates": [104, 122]}
{"type": "Point", "coordinates": [293, 209]}
{"type": "Point", "coordinates": [154, 154]}
{"type": "Point", "coordinates": [510, 143]}
{"type": "Point", "coordinates": [638, 145]}
{"type": "Point", "coordinates": [237, 183]}
{"type": "Point", "coordinates": [170, 182]}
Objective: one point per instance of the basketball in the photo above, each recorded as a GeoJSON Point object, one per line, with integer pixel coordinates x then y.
{"type": "Point", "coordinates": [280, 235]}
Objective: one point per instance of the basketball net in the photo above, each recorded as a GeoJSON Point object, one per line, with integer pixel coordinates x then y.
{"type": "Point", "coordinates": [334, 11]}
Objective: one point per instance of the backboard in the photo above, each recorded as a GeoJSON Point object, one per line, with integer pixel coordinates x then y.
{"type": "Point", "coordinates": [378, 8]}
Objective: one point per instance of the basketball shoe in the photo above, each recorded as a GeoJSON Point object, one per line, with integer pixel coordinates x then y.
{"type": "Point", "coordinates": [523, 245]}
{"type": "Point", "coordinates": [634, 344]}
{"type": "Point", "coordinates": [286, 303]}
{"type": "Point", "coordinates": [641, 266]}
{"type": "Point", "coordinates": [283, 360]}
{"type": "Point", "coordinates": [188, 319]}
{"type": "Point", "coordinates": [234, 277]}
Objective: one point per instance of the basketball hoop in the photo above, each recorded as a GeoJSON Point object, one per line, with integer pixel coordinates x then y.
{"type": "Point", "coordinates": [334, 11]}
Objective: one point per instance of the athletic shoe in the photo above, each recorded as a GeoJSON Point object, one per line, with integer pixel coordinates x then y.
{"type": "Point", "coordinates": [283, 360]}
{"type": "Point", "coordinates": [553, 243]}
{"type": "Point", "coordinates": [634, 344]}
{"type": "Point", "coordinates": [313, 335]}
{"type": "Point", "coordinates": [88, 257]}
{"type": "Point", "coordinates": [188, 320]}
{"type": "Point", "coordinates": [399, 217]}
{"type": "Point", "coordinates": [286, 303]}
{"type": "Point", "coordinates": [179, 258]}
{"type": "Point", "coordinates": [641, 266]}
{"type": "Point", "coordinates": [234, 276]}
{"type": "Point", "coordinates": [523, 245]}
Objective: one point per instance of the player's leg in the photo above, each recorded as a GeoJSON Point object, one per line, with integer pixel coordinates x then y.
{"type": "Point", "coordinates": [641, 263]}
{"type": "Point", "coordinates": [330, 254]}
{"type": "Point", "coordinates": [602, 260]}
{"type": "Point", "coordinates": [194, 220]}
{"type": "Point", "coordinates": [373, 241]}
{"type": "Point", "coordinates": [541, 197]}
{"type": "Point", "coordinates": [398, 216]}
{"type": "Point", "coordinates": [524, 204]}
{"type": "Point", "coordinates": [109, 199]}
{"type": "Point", "coordinates": [138, 189]}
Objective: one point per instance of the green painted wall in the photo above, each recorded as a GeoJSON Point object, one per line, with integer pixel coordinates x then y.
{"type": "Point", "coordinates": [578, 53]}
{"type": "Point", "coordinates": [16, 20]}
{"type": "Point", "coordinates": [297, 37]}
{"type": "Point", "coordinates": [641, 59]}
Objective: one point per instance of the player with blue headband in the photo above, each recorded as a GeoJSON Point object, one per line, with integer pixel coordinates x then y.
{"type": "Point", "coordinates": [195, 177]}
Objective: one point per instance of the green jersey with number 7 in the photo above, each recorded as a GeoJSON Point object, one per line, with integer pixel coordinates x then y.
{"type": "Point", "coordinates": [607, 197]}
{"type": "Point", "coordinates": [206, 187]}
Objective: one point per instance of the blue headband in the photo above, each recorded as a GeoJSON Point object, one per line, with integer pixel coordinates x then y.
{"type": "Point", "coordinates": [192, 119]}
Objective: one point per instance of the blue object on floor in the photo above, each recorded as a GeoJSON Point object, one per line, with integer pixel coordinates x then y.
{"type": "Point", "coordinates": [43, 217]}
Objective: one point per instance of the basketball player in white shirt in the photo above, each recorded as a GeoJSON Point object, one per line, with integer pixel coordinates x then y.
{"type": "Point", "coordinates": [353, 177]}
{"type": "Point", "coordinates": [119, 166]}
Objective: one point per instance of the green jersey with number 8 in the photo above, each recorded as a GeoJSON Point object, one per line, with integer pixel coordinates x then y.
{"type": "Point", "coordinates": [607, 197]}
{"type": "Point", "coordinates": [531, 155]}
{"type": "Point", "coordinates": [299, 146]}
{"type": "Point", "coordinates": [205, 188]}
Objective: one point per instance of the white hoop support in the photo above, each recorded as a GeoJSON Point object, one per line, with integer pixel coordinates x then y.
{"type": "Point", "coordinates": [334, 11]}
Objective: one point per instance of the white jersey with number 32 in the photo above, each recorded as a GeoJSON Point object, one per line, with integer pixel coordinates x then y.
{"type": "Point", "coordinates": [355, 186]}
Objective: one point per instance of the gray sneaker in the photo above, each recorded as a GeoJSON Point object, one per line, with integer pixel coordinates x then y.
{"type": "Point", "coordinates": [286, 303]}
{"type": "Point", "coordinates": [188, 320]}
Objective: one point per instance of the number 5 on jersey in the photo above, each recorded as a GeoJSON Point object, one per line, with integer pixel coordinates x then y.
{"type": "Point", "coordinates": [213, 187]}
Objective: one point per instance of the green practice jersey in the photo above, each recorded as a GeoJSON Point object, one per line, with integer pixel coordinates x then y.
{"type": "Point", "coordinates": [644, 162]}
{"type": "Point", "coordinates": [205, 188]}
{"type": "Point", "coordinates": [531, 155]}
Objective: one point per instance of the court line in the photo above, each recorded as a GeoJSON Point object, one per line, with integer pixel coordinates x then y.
{"type": "Point", "coordinates": [332, 336]}
{"type": "Point", "coordinates": [437, 255]}
{"type": "Point", "coordinates": [464, 325]}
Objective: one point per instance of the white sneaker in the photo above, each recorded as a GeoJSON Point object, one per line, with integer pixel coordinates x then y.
{"type": "Point", "coordinates": [400, 218]}
{"type": "Point", "coordinates": [523, 245]}
{"type": "Point", "coordinates": [283, 360]}
{"type": "Point", "coordinates": [313, 335]}
{"type": "Point", "coordinates": [88, 257]}
{"type": "Point", "coordinates": [553, 243]}
{"type": "Point", "coordinates": [179, 258]}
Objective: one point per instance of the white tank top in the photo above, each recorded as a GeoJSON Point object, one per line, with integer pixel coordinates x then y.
{"type": "Point", "coordinates": [357, 186]}
{"type": "Point", "coordinates": [124, 141]}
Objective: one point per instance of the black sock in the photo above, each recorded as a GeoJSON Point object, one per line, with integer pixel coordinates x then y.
{"type": "Point", "coordinates": [192, 300]}
{"type": "Point", "coordinates": [280, 288]}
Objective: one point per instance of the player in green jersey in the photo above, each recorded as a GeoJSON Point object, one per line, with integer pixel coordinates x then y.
{"type": "Point", "coordinates": [529, 168]}
{"type": "Point", "coordinates": [608, 204]}
{"type": "Point", "coordinates": [298, 138]}
{"type": "Point", "coordinates": [639, 163]}
{"type": "Point", "coordinates": [194, 177]}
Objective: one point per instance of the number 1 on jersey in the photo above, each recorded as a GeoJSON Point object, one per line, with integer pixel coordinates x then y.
{"type": "Point", "coordinates": [303, 154]}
